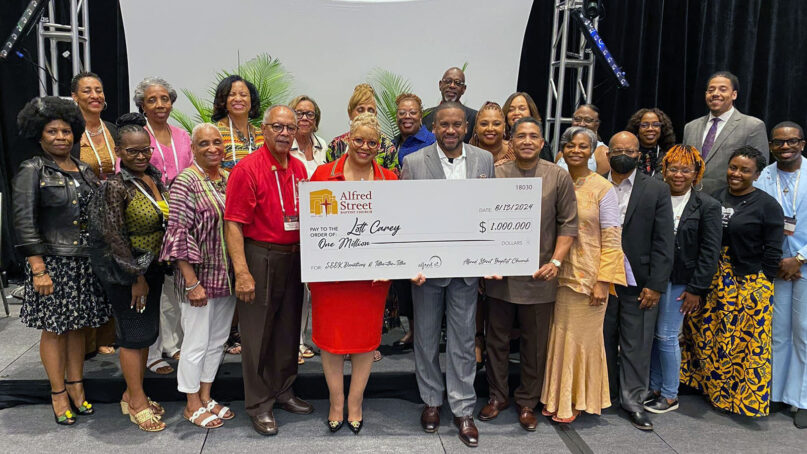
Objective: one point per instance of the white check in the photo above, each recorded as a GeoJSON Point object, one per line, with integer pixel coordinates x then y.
{"type": "Point", "coordinates": [363, 230]}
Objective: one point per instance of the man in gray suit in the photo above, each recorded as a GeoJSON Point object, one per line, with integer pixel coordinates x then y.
{"type": "Point", "coordinates": [723, 130]}
{"type": "Point", "coordinates": [448, 158]}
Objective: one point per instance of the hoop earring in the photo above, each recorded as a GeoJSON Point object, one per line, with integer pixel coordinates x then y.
{"type": "Point", "coordinates": [105, 106]}
{"type": "Point", "coordinates": [696, 188]}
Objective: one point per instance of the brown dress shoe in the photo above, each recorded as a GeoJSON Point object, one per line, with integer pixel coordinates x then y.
{"type": "Point", "coordinates": [526, 417]}
{"type": "Point", "coordinates": [265, 423]}
{"type": "Point", "coordinates": [492, 409]}
{"type": "Point", "coordinates": [468, 432]}
{"type": "Point", "coordinates": [297, 406]}
{"type": "Point", "coordinates": [430, 419]}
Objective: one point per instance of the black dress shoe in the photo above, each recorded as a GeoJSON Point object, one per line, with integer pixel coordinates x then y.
{"type": "Point", "coordinates": [355, 426]}
{"type": "Point", "coordinates": [297, 406]}
{"type": "Point", "coordinates": [800, 418]}
{"type": "Point", "coordinates": [334, 426]}
{"type": "Point", "coordinates": [430, 419]}
{"type": "Point", "coordinates": [402, 346]}
{"type": "Point", "coordinates": [640, 420]}
{"type": "Point", "coordinates": [265, 424]}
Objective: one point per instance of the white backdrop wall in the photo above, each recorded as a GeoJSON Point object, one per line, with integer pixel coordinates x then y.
{"type": "Point", "coordinates": [329, 46]}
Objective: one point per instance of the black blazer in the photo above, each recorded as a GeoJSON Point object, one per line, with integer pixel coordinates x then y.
{"type": "Point", "coordinates": [647, 234]}
{"type": "Point", "coordinates": [697, 244]}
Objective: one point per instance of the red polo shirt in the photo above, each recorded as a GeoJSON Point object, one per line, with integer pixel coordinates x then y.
{"type": "Point", "coordinates": [254, 201]}
{"type": "Point", "coordinates": [335, 171]}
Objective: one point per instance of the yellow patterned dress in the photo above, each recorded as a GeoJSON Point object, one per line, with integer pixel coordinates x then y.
{"type": "Point", "coordinates": [727, 348]}
{"type": "Point", "coordinates": [576, 376]}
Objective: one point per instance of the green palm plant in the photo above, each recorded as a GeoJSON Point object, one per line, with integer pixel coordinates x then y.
{"type": "Point", "coordinates": [268, 75]}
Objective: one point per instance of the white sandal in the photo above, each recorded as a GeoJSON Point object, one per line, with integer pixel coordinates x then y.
{"type": "Point", "coordinates": [211, 404]}
{"type": "Point", "coordinates": [160, 364]}
{"type": "Point", "coordinates": [206, 421]}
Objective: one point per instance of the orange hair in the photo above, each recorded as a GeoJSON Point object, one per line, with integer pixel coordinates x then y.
{"type": "Point", "coordinates": [684, 155]}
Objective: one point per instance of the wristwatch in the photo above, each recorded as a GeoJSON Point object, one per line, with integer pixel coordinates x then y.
{"type": "Point", "coordinates": [555, 262]}
{"type": "Point", "coordinates": [801, 259]}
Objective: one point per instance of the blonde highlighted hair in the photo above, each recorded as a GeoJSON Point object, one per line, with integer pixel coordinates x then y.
{"type": "Point", "coordinates": [368, 120]}
{"type": "Point", "coordinates": [362, 94]}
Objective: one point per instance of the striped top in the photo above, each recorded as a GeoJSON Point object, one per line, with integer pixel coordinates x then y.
{"type": "Point", "coordinates": [239, 143]}
{"type": "Point", "coordinates": [195, 232]}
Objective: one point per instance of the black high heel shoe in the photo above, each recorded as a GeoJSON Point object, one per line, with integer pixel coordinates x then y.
{"type": "Point", "coordinates": [334, 426]}
{"type": "Point", "coordinates": [66, 418]}
{"type": "Point", "coordinates": [85, 409]}
{"type": "Point", "coordinates": [355, 426]}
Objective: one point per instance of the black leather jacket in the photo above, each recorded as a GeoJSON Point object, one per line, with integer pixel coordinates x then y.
{"type": "Point", "coordinates": [46, 210]}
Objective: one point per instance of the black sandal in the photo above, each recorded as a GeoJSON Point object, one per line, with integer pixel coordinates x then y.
{"type": "Point", "coordinates": [65, 419]}
{"type": "Point", "coordinates": [85, 409]}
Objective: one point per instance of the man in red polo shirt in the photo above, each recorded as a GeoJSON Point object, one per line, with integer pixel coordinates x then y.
{"type": "Point", "coordinates": [263, 238]}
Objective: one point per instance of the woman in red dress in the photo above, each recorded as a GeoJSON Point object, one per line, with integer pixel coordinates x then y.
{"type": "Point", "coordinates": [347, 316]}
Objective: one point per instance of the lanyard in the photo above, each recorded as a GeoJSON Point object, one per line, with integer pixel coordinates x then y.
{"type": "Point", "coordinates": [210, 184]}
{"type": "Point", "coordinates": [232, 140]}
{"type": "Point", "coordinates": [108, 149]}
{"type": "Point", "coordinates": [280, 193]}
{"type": "Point", "coordinates": [795, 190]}
{"type": "Point", "coordinates": [148, 196]}
{"type": "Point", "coordinates": [160, 149]}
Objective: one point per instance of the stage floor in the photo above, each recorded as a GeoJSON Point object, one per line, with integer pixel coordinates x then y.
{"type": "Point", "coordinates": [391, 424]}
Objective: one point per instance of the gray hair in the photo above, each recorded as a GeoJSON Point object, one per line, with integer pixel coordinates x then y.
{"type": "Point", "coordinates": [140, 90]}
{"type": "Point", "coordinates": [275, 106]}
{"type": "Point", "coordinates": [201, 126]}
{"type": "Point", "coordinates": [572, 131]}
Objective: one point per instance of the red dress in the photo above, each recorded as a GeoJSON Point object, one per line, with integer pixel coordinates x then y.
{"type": "Point", "coordinates": [346, 317]}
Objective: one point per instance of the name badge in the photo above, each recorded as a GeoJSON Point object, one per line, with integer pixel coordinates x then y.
{"type": "Point", "coordinates": [790, 225]}
{"type": "Point", "coordinates": [291, 223]}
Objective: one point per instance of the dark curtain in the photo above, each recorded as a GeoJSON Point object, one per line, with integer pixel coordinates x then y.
{"type": "Point", "coordinates": [669, 48]}
{"type": "Point", "coordinates": [19, 82]}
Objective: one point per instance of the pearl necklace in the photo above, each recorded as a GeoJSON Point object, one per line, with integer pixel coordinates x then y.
{"type": "Point", "coordinates": [97, 132]}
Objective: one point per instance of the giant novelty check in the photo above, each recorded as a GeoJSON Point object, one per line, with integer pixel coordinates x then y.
{"type": "Point", "coordinates": [362, 230]}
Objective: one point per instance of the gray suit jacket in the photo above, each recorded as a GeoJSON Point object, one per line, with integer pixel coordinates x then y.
{"type": "Point", "coordinates": [740, 130]}
{"type": "Point", "coordinates": [424, 164]}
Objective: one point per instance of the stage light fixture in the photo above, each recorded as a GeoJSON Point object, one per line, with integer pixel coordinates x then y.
{"type": "Point", "coordinates": [24, 25]}
{"type": "Point", "coordinates": [599, 48]}
{"type": "Point", "coordinates": [592, 8]}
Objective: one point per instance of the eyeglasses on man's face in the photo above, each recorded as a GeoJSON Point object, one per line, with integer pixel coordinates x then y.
{"type": "Point", "coordinates": [277, 128]}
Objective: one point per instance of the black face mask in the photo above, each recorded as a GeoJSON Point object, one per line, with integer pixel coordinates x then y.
{"type": "Point", "coordinates": [622, 163]}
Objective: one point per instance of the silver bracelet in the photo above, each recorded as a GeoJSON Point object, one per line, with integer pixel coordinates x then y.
{"type": "Point", "coordinates": [189, 289]}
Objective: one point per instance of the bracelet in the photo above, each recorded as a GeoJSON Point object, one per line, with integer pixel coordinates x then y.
{"type": "Point", "coordinates": [41, 273]}
{"type": "Point", "coordinates": [188, 289]}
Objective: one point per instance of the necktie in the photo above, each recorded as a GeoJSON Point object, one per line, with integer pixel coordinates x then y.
{"type": "Point", "coordinates": [710, 139]}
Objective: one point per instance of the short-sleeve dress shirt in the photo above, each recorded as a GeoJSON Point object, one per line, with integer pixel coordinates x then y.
{"type": "Point", "coordinates": [254, 201]}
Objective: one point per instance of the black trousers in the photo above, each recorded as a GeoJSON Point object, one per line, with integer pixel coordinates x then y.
{"type": "Point", "coordinates": [133, 329]}
{"type": "Point", "coordinates": [628, 333]}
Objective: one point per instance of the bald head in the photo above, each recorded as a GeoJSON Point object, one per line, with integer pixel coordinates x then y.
{"type": "Point", "coordinates": [624, 139]}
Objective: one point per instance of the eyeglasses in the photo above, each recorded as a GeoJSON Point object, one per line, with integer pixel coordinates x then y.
{"type": "Point", "coordinates": [305, 114]}
{"type": "Point", "coordinates": [620, 151]}
{"type": "Point", "coordinates": [647, 124]}
{"type": "Point", "coordinates": [684, 171]}
{"type": "Point", "coordinates": [405, 113]}
{"type": "Point", "coordinates": [358, 142]}
{"type": "Point", "coordinates": [133, 152]}
{"type": "Point", "coordinates": [778, 143]}
{"type": "Point", "coordinates": [277, 128]}
{"type": "Point", "coordinates": [585, 120]}
{"type": "Point", "coordinates": [456, 82]}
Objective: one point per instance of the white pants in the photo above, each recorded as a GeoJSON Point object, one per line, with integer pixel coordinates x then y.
{"type": "Point", "coordinates": [170, 334]}
{"type": "Point", "coordinates": [206, 330]}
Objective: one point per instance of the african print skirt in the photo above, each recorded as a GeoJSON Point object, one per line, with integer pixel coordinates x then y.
{"type": "Point", "coordinates": [727, 343]}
